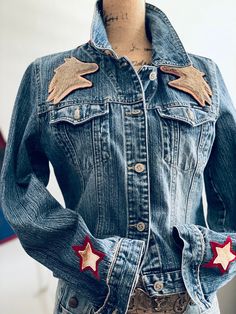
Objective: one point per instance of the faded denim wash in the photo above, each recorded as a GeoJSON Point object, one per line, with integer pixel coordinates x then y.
{"type": "Point", "coordinates": [148, 220]}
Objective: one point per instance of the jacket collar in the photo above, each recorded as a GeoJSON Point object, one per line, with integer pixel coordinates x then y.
{"type": "Point", "coordinates": [166, 44]}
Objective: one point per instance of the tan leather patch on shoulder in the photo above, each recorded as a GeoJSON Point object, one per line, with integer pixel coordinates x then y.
{"type": "Point", "coordinates": [190, 81]}
{"type": "Point", "coordinates": [68, 77]}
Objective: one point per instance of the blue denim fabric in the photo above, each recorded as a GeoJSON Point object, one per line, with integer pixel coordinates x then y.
{"type": "Point", "coordinates": [195, 309]}
{"type": "Point", "coordinates": [147, 220]}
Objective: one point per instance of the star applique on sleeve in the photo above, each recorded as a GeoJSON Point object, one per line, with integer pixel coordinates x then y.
{"type": "Point", "coordinates": [190, 81]}
{"type": "Point", "coordinates": [68, 77]}
{"type": "Point", "coordinates": [89, 257]}
{"type": "Point", "coordinates": [223, 255]}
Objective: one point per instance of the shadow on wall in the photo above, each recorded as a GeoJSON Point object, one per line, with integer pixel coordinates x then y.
{"type": "Point", "coordinates": [227, 298]}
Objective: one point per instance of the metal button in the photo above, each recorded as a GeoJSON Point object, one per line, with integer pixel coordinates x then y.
{"type": "Point", "coordinates": [140, 226]}
{"type": "Point", "coordinates": [158, 285]}
{"type": "Point", "coordinates": [137, 112]}
{"type": "Point", "coordinates": [108, 52]}
{"type": "Point", "coordinates": [134, 112]}
{"type": "Point", "coordinates": [73, 302]}
{"type": "Point", "coordinates": [152, 76]}
{"type": "Point", "coordinates": [124, 63]}
{"type": "Point", "coordinates": [139, 167]}
{"type": "Point", "coordinates": [77, 114]}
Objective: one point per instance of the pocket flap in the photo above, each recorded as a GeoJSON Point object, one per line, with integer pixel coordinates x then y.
{"type": "Point", "coordinates": [77, 113]}
{"type": "Point", "coordinates": [191, 115]}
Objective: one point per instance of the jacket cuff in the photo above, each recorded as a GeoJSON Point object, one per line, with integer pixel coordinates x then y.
{"type": "Point", "coordinates": [208, 260]}
{"type": "Point", "coordinates": [123, 275]}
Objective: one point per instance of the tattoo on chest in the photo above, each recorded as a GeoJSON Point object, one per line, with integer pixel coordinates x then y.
{"type": "Point", "coordinates": [133, 48]}
{"type": "Point", "coordinates": [139, 63]}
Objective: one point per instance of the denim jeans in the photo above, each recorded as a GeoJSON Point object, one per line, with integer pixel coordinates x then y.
{"type": "Point", "coordinates": [68, 301]}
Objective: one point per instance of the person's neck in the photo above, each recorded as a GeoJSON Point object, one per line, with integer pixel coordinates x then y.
{"type": "Point", "coordinates": [125, 25]}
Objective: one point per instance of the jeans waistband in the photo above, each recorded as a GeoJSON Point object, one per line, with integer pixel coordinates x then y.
{"type": "Point", "coordinates": [141, 302]}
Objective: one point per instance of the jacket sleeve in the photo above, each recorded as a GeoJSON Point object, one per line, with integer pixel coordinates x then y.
{"type": "Point", "coordinates": [209, 254]}
{"type": "Point", "coordinates": [50, 233]}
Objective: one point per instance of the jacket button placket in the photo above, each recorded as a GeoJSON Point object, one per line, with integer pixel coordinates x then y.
{"type": "Point", "coordinates": [137, 176]}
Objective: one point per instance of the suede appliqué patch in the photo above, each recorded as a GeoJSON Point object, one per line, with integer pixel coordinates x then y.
{"type": "Point", "coordinates": [89, 257]}
{"type": "Point", "coordinates": [190, 81]}
{"type": "Point", "coordinates": [68, 77]}
{"type": "Point", "coordinates": [223, 255]}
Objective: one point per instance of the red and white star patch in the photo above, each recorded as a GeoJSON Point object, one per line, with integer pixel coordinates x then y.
{"type": "Point", "coordinates": [223, 255]}
{"type": "Point", "coordinates": [89, 257]}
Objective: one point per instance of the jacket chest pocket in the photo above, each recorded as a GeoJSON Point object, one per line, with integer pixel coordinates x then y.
{"type": "Point", "coordinates": [81, 130]}
{"type": "Point", "coordinates": [187, 135]}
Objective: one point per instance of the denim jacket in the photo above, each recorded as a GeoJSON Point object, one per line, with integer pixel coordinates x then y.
{"type": "Point", "coordinates": [132, 156]}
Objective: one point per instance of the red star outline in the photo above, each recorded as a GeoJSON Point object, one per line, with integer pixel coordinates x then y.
{"type": "Point", "coordinates": [77, 248]}
{"type": "Point", "coordinates": [210, 264]}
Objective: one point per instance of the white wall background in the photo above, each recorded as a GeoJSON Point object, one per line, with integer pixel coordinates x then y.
{"type": "Point", "coordinates": [29, 29]}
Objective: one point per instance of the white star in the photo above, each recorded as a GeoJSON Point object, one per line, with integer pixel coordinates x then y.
{"type": "Point", "coordinates": [224, 256]}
